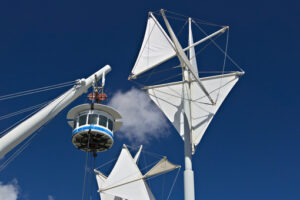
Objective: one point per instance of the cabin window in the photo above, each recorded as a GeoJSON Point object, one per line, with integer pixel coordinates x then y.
{"type": "Point", "coordinates": [92, 119]}
{"type": "Point", "coordinates": [110, 124]}
{"type": "Point", "coordinates": [82, 120]}
{"type": "Point", "coordinates": [74, 123]}
{"type": "Point", "coordinates": [102, 120]}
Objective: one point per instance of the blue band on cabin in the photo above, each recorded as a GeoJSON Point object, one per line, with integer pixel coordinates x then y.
{"type": "Point", "coordinates": [92, 127]}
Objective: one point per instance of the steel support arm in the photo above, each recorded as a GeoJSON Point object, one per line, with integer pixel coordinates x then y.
{"type": "Point", "coordinates": [222, 30]}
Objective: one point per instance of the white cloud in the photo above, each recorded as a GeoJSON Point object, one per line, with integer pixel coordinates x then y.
{"type": "Point", "coordinates": [50, 197]}
{"type": "Point", "coordinates": [9, 191]}
{"type": "Point", "coordinates": [142, 120]}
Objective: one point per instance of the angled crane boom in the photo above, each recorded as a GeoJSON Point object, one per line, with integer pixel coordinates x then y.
{"type": "Point", "coordinates": [29, 126]}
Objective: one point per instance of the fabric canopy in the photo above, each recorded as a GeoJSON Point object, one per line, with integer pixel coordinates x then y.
{"type": "Point", "coordinates": [126, 182]}
{"type": "Point", "coordinates": [161, 167]}
{"type": "Point", "coordinates": [169, 99]}
{"type": "Point", "coordinates": [156, 47]}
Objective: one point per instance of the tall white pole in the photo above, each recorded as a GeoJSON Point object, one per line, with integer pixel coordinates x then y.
{"type": "Point", "coordinates": [189, 188]}
{"type": "Point", "coordinates": [29, 126]}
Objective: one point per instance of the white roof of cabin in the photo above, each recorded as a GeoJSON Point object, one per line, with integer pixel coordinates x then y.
{"type": "Point", "coordinates": [100, 107]}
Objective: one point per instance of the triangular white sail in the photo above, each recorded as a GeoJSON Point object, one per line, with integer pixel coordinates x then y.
{"type": "Point", "coordinates": [156, 47]}
{"type": "Point", "coordinates": [168, 98]}
{"type": "Point", "coordinates": [162, 166]}
{"type": "Point", "coordinates": [202, 111]}
{"type": "Point", "coordinates": [125, 180]}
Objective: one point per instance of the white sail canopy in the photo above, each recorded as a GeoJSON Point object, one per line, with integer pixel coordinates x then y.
{"type": "Point", "coordinates": [161, 167]}
{"type": "Point", "coordinates": [205, 94]}
{"type": "Point", "coordinates": [126, 182]}
{"type": "Point", "coordinates": [156, 47]}
{"type": "Point", "coordinates": [169, 99]}
{"type": "Point", "coordinates": [203, 112]}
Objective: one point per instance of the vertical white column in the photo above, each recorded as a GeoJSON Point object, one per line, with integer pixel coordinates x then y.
{"type": "Point", "coordinates": [189, 191]}
{"type": "Point", "coordinates": [189, 188]}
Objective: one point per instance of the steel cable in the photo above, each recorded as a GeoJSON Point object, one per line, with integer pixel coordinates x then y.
{"type": "Point", "coordinates": [33, 91]}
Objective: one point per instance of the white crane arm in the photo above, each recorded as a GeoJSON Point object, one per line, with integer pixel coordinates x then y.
{"type": "Point", "coordinates": [29, 126]}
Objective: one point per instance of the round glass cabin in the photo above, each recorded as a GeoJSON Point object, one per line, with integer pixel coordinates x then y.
{"type": "Point", "coordinates": [93, 129]}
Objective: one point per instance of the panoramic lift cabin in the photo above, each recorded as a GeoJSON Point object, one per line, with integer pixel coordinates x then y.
{"type": "Point", "coordinates": [93, 126]}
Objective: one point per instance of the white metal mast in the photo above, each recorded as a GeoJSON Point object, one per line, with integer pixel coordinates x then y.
{"type": "Point", "coordinates": [185, 124]}
{"type": "Point", "coordinates": [189, 188]}
{"type": "Point", "coordinates": [29, 126]}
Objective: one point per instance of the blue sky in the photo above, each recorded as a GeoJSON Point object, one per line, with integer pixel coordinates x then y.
{"type": "Point", "coordinates": [251, 149]}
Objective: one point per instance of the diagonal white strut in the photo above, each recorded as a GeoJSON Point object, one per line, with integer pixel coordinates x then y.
{"type": "Point", "coordinates": [222, 30]}
{"type": "Point", "coordinates": [185, 120]}
{"type": "Point", "coordinates": [183, 58]}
